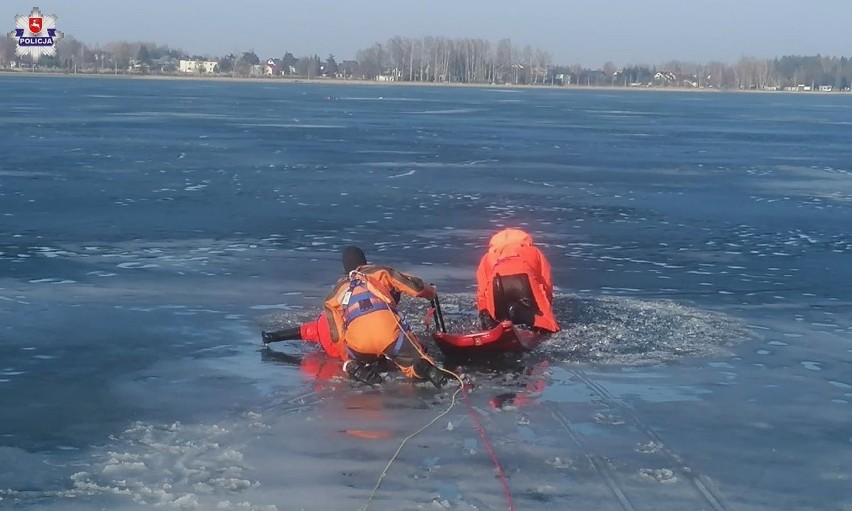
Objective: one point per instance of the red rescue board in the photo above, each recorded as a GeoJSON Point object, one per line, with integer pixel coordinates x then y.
{"type": "Point", "coordinates": [504, 338]}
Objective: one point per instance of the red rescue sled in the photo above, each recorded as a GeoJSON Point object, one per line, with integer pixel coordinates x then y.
{"type": "Point", "coordinates": [503, 338]}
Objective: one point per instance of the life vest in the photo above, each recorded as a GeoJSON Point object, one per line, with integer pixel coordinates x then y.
{"type": "Point", "coordinates": [365, 296]}
{"type": "Point", "coordinates": [362, 299]}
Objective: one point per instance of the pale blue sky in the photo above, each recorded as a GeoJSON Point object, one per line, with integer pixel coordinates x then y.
{"type": "Point", "coordinates": [587, 32]}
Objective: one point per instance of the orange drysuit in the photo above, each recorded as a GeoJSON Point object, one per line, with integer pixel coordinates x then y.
{"type": "Point", "coordinates": [364, 322]}
{"type": "Point", "coordinates": [319, 331]}
{"type": "Point", "coordinates": [512, 252]}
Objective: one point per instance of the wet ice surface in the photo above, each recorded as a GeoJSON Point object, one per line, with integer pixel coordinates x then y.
{"type": "Point", "coordinates": [702, 274]}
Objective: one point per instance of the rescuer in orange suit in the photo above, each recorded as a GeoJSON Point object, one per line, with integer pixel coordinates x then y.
{"type": "Point", "coordinates": [360, 323]}
{"type": "Point", "coordinates": [513, 282]}
{"type": "Point", "coordinates": [364, 321]}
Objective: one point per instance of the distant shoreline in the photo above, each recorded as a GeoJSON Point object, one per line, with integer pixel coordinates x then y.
{"type": "Point", "coordinates": [338, 81]}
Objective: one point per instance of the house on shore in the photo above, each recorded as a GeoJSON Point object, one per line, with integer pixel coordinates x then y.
{"type": "Point", "coordinates": [273, 67]}
{"type": "Point", "coordinates": [198, 66]}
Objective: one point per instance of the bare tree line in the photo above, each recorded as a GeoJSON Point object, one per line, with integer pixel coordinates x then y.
{"type": "Point", "coordinates": [465, 60]}
{"type": "Point", "coordinates": [72, 53]}
{"type": "Point", "coordinates": [748, 73]}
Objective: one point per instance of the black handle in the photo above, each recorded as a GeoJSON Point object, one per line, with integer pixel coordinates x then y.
{"type": "Point", "coordinates": [439, 314]}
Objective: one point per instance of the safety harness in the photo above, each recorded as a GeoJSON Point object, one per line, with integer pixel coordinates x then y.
{"type": "Point", "coordinates": [360, 300]}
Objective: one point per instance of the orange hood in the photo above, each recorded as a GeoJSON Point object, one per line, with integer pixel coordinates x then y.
{"type": "Point", "coordinates": [508, 239]}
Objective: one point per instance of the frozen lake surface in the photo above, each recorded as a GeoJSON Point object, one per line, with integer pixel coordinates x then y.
{"type": "Point", "coordinates": [149, 230]}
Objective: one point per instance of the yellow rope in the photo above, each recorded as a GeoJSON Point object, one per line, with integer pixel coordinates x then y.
{"type": "Point", "coordinates": [425, 426]}
{"type": "Point", "coordinates": [409, 437]}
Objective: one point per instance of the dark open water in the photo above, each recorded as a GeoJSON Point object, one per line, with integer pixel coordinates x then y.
{"type": "Point", "coordinates": [150, 229]}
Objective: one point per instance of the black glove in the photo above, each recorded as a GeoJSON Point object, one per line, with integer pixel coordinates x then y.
{"type": "Point", "coordinates": [364, 373]}
{"type": "Point", "coordinates": [486, 320]}
{"type": "Point", "coordinates": [425, 370]}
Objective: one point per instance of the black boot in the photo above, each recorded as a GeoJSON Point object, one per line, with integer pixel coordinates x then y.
{"type": "Point", "coordinates": [364, 373]}
{"type": "Point", "coordinates": [426, 371]}
{"type": "Point", "coordinates": [287, 334]}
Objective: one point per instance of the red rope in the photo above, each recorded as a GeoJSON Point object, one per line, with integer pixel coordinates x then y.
{"type": "Point", "coordinates": [489, 448]}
